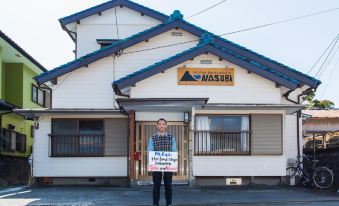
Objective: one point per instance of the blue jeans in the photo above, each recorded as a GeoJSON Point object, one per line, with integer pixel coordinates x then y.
{"type": "Point", "coordinates": [157, 177]}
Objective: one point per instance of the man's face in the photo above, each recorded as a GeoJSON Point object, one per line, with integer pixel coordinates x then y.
{"type": "Point", "coordinates": [162, 126]}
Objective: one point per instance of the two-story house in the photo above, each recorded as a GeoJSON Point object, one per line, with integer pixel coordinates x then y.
{"type": "Point", "coordinates": [234, 113]}
{"type": "Point", "coordinates": [18, 90]}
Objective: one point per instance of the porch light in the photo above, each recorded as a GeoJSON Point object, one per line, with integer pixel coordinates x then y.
{"type": "Point", "coordinates": [186, 117]}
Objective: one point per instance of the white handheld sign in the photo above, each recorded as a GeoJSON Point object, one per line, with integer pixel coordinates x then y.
{"type": "Point", "coordinates": [162, 161]}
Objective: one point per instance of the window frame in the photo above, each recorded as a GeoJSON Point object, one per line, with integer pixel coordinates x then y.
{"type": "Point", "coordinates": [23, 142]}
{"type": "Point", "coordinates": [34, 87]}
{"type": "Point", "coordinates": [218, 115]}
{"type": "Point", "coordinates": [78, 134]}
{"type": "Point", "coordinates": [44, 96]}
{"type": "Point", "coordinates": [13, 143]}
{"type": "Point", "coordinates": [238, 153]}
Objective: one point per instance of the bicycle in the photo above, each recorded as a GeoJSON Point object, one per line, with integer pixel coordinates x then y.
{"type": "Point", "coordinates": [306, 172]}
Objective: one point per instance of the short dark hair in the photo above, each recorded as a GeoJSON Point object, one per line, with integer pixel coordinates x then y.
{"type": "Point", "coordinates": [161, 119]}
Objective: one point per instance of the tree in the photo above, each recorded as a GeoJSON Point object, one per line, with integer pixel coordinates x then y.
{"type": "Point", "coordinates": [316, 103]}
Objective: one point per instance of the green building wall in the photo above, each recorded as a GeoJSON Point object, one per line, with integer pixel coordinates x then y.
{"type": "Point", "coordinates": [16, 88]}
{"type": "Point", "coordinates": [14, 84]}
{"type": "Point", "coordinates": [1, 66]}
{"type": "Point", "coordinates": [22, 126]}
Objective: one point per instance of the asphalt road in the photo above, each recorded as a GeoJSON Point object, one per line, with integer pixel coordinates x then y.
{"type": "Point", "coordinates": [182, 195]}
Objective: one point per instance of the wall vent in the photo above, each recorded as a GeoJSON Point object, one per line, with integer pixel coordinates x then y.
{"type": "Point", "coordinates": [176, 33]}
{"type": "Point", "coordinates": [205, 61]}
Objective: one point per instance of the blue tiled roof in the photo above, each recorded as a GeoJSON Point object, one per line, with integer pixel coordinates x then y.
{"type": "Point", "coordinates": [158, 63]}
{"type": "Point", "coordinates": [81, 59]}
{"type": "Point", "coordinates": [259, 65]}
{"type": "Point", "coordinates": [177, 19]}
{"type": "Point", "coordinates": [205, 40]}
{"type": "Point", "coordinates": [252, 52]}
{"type": "Point", "coordinates": [108, 5]}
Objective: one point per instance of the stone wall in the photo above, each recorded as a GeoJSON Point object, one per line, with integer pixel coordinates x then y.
{"type": "Point", "coordinates": [14, 171]}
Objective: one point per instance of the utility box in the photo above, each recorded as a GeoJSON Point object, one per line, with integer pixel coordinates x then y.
{"type": "Point", "coordinates": [233, 181]}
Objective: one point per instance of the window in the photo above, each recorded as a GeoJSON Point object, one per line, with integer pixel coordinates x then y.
{"type": "Point", "coordinates": [222, 135]}
{"type": "Point", "coordinates": [6, 140]}
{"type": "Point", "coordinates": [34, 93]}
{"type": "Point", "coordinates": [21, 143]}
{"type": "Point", "coordinates": [72, 137]}
{"type": "Point", "coordinates": [32, 131]}
{"type": "Point", "coordinates": [106, 42]}
{"type": "Point", "coordinates": [41, 96]}
{"type": "Point", "coordinates": [13, 141]}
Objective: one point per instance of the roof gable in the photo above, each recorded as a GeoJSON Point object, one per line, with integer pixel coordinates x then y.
{"type": "Point", "coordinates": [176, 21]}
{"type": "Point", "coordinates": [206, 44]}
{"type": "Point", "coordinates": [22, 51]}
{"type": "Point", "coordinates": [111, 4]}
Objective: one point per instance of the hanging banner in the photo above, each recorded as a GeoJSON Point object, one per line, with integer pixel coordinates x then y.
{"type": "Point", "coordinates": [206, 76]}
{"type": "Point", "coordinates": [162, 161]}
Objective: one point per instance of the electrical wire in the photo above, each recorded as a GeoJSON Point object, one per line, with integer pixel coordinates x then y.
{"type": "Point", "coordinates": [280, 22]}
{"type": "Point", "coordinates": [330, 78]}
{"type": "Point", "coordinates": [328, 63]}
{"type": "Point", "coordinates": [202, 11]}
{"type": "Point", "coordinates": [116, 22]}
{"type": "Point", "coordinates": [238, 31]}
{"type": "Point", "coordinates": [316, 62]}
{"type": "Point", "coordinates": [320, 68]}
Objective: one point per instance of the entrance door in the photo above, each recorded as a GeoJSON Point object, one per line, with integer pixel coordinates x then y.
{"type": "Point", "coordinates": [146, 129]}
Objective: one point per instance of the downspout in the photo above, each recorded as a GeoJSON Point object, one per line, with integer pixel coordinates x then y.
{"type": "Point", "coordinates": [128, 142]}
{"type": "Point", "coordinates": [306, 92]}
{"type": "Point", "coordinates": [118, 92]}
{"type": "Point", "coordinates": [286, 95]}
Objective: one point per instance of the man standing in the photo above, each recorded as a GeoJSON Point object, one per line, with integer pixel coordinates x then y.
{"type": "Point", "coordinates": [162, 141]}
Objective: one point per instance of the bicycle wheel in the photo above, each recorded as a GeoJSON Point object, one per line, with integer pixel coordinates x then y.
{"type": "Point", "coordinates": [323, 177]}
{"type": "Point", "coordinates": [290, 173]}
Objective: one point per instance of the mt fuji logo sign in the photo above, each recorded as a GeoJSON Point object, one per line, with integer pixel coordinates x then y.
{"type": "Point", "coordinates": [206, 76]}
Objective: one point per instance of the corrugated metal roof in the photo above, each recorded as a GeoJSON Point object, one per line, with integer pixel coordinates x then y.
{"type": "Point", "coordinates": [322, 113]}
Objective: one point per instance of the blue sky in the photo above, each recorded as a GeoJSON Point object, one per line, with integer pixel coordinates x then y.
{"type": "Point", "coordinates": [34, 25]}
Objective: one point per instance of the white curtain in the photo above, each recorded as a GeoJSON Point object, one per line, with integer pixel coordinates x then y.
{"type": "Point", "coordinates": [204, 139]}
{"type": "Point", "coordinates": [244, 134]}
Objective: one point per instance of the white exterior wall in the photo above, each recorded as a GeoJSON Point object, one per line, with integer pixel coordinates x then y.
{"type": "Point", "coordinates": [91, 87]}
{"type": "Point", "coordinates": [45, 166]}
{"type": "Point", "coordinates": [248, 88]}
{"type": "Point", "coordinates": [254, 165]}
{"type": "Point", "coordinates": [151, 116]}
{"type": "Point", "coordinates": [290, 146]}
{"type": "Point", "coordinates": [239, 166]}
{"type": "Point", "coordinates": [104, 27]}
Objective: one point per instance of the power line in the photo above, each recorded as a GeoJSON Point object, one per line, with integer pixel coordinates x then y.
{"type": "Point", "coordinates": [319, 70]}
{"type": "Point", "coordinates": [329, 80]}
{"type": "Point", "coordinates": [251, 28]}
{"type": "Point", "coordinates": [116, 22]}
{"type": "Point", "coordinates": [316, 62]}
{"type": "Point", "coordinates": [280, 22]}
{"type": "Point", "coordinates": [206, 9]}
{"type": "Point", "coordinates": [328, 63]}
